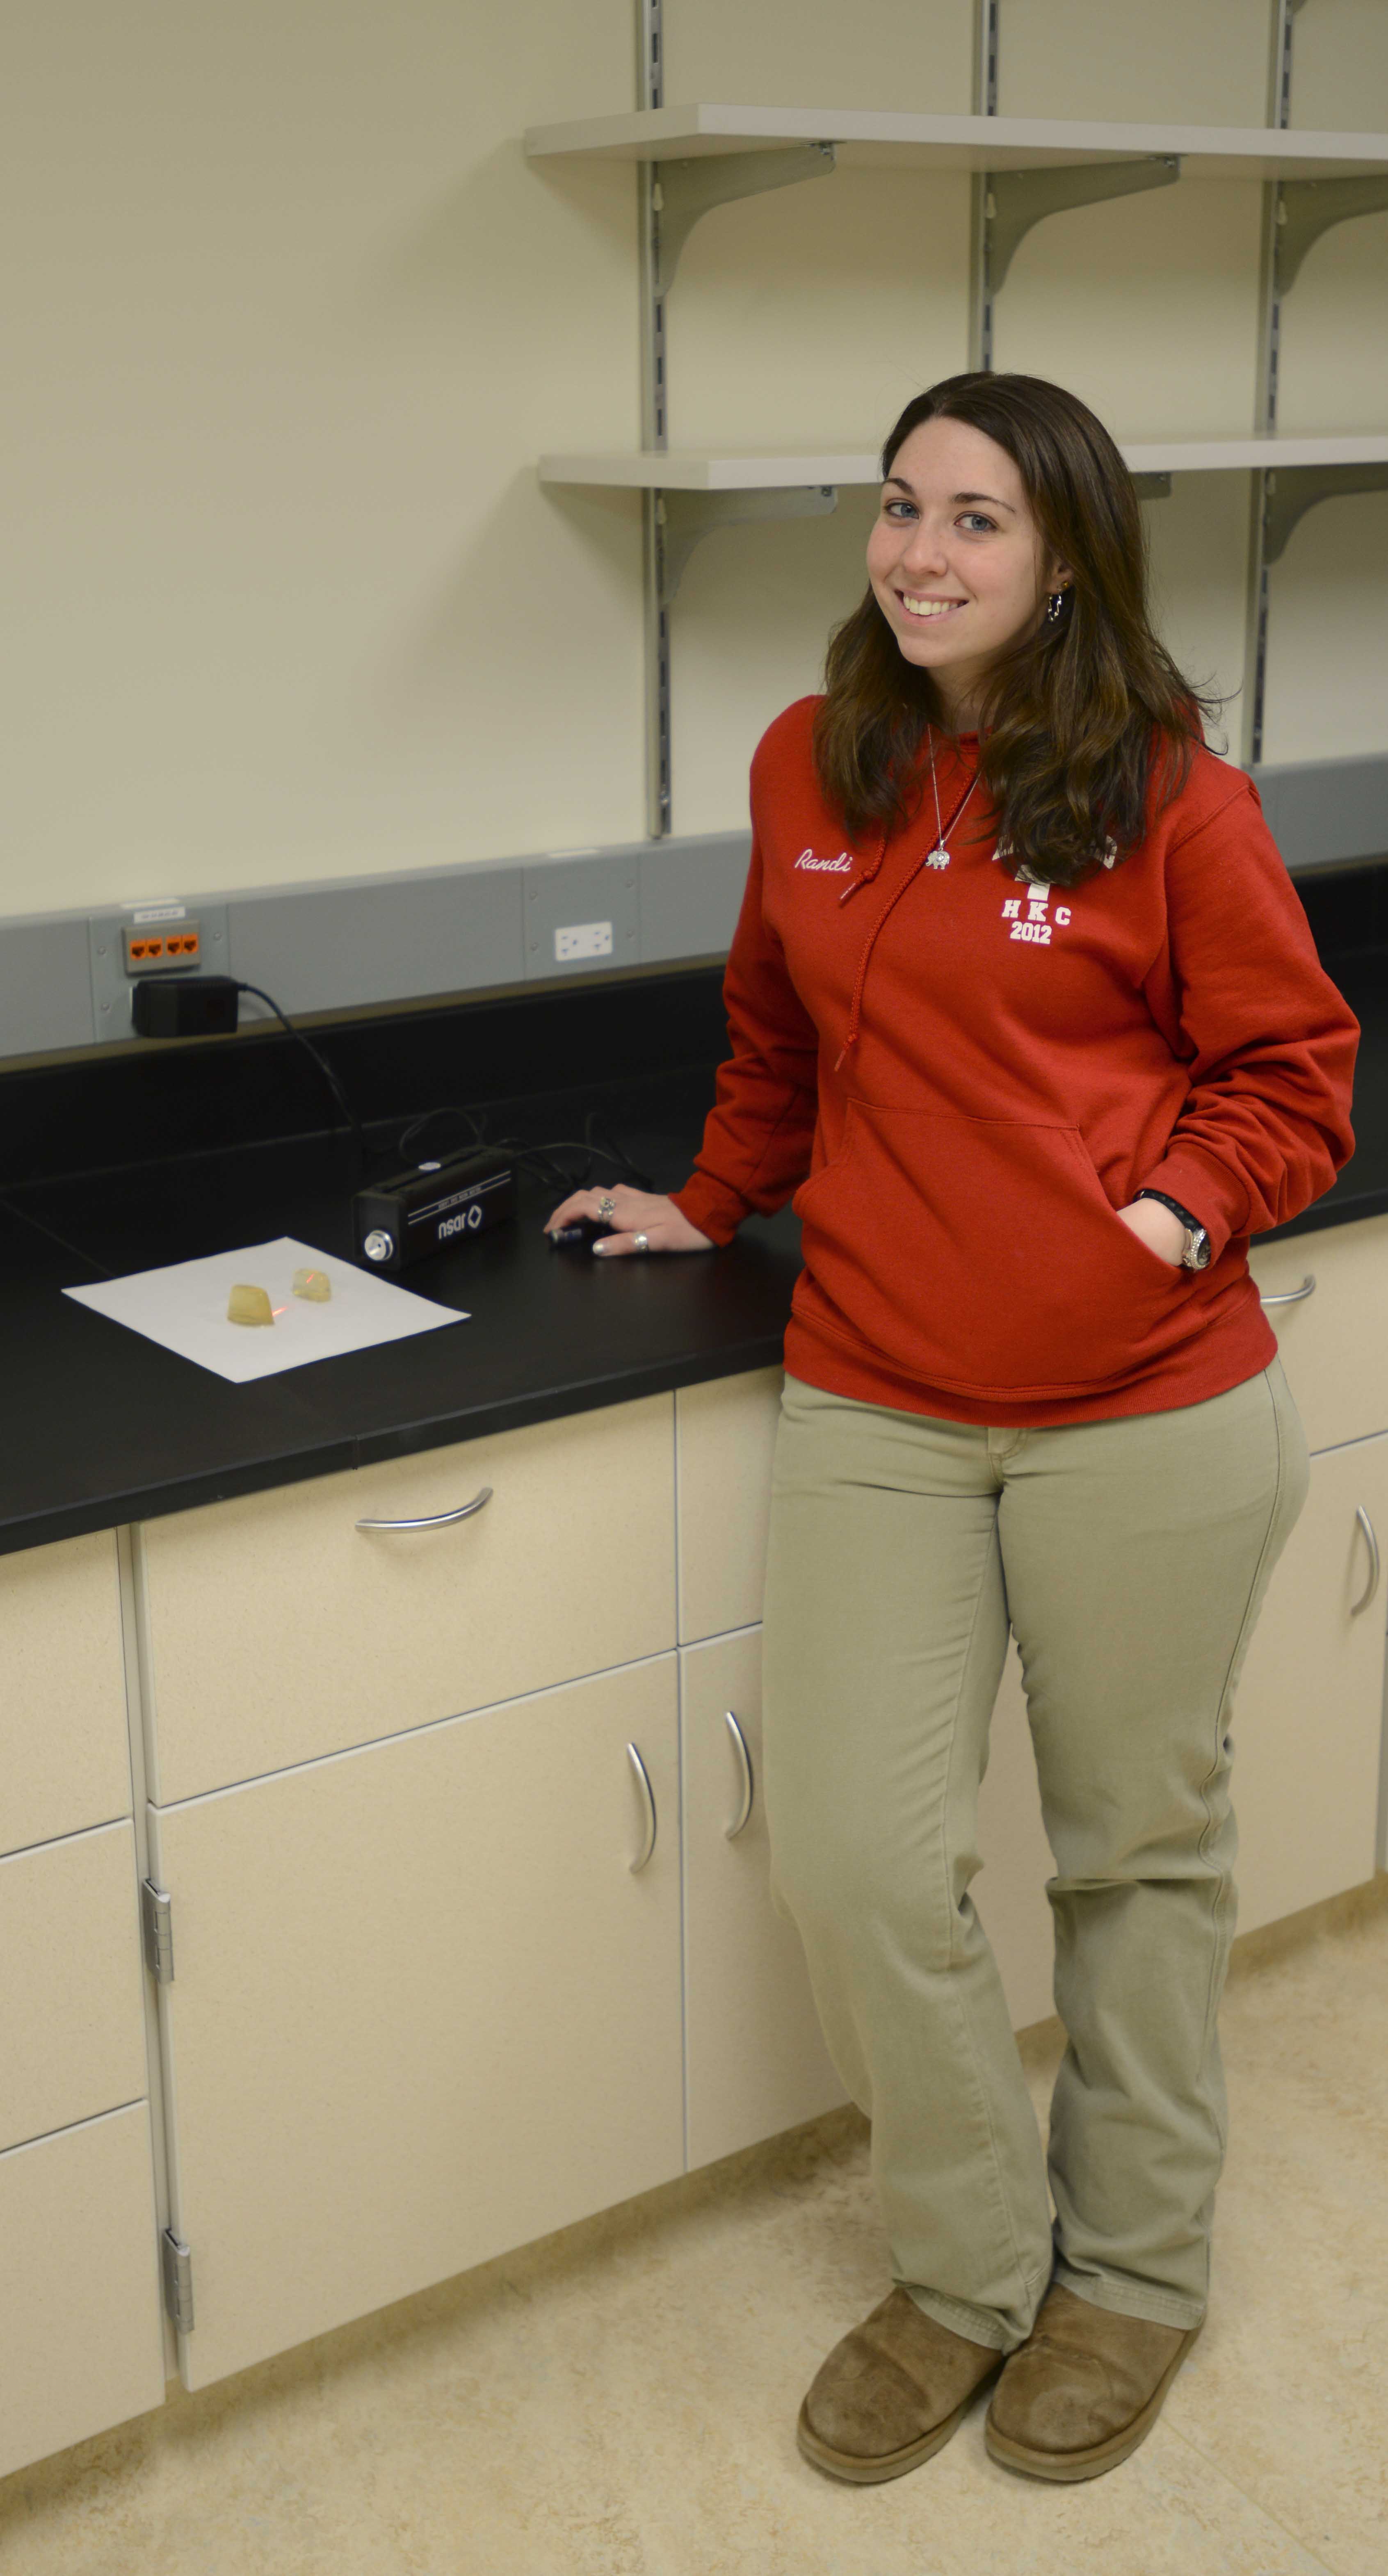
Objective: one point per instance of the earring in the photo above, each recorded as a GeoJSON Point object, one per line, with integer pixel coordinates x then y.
{"type": "Point", "coordinates": [1057, 602]}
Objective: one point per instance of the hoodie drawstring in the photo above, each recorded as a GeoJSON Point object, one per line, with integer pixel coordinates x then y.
{"type": "Point", "coordinates": [887, 909]}
{"type": "Point", "coordinates": [869, 873]}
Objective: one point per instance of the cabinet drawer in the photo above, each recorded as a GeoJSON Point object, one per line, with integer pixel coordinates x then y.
{"type": "Point", "coordinates": [725, 1436]}
{"type": "Point", "coordinates": [79, 2286]}
{"type": "Point", "coordinates": [72, 2033]}
{"type": "Point", "coordinates": [1333, 1343]}
{"type": "Point", "coordinates": [64, 1759]}
{"type": "Point", "coordinates": [276, 1630]}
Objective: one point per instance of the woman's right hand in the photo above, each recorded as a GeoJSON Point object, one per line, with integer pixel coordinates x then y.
{"type": "Point", "coordinates": [633, 1212]}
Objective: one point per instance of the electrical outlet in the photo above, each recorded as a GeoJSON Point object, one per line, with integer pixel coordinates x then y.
{"type": "Point", "coordinates": [129, 940]}
{"type": "Point", "coordinates": [583, 939]}
{"type": "Point", "coordinates": [150, 947]}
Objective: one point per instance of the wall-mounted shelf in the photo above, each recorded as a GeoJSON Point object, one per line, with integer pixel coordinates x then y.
{"type": "Point", "coordinates": [657, 471]}
{"type": "Point", "coordinates": [694, 494]}
{"type": "Point", "coordinates": [975, 143]}
{"type": "Point", "coordinates": [1020, 171]}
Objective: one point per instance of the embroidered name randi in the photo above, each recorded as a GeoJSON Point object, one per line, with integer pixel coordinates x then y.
{"type": "Point", "coordinates": [840, 867]}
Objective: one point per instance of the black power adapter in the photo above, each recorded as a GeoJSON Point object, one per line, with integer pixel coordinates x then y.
{"type": "Point", "coordinates": [184, 1006]}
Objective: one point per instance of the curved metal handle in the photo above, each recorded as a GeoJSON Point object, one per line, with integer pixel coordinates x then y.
{"type": "Point", "coordinates": [435, 1520]}
{"type": "Point", "coordinates": [1375, 1568]}
{"type": "Point", "coordinates": [643, 1776]}
{"type": "Point", "coordinates": [745, 1807]}
{"type": "Point", "coordinates": [1292, 1296]}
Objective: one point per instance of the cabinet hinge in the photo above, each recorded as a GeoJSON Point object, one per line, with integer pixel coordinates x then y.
{"type": "Point", "coordinates": [157, 1917]}
{"type": "Point", "coordinates": [178, 2280]}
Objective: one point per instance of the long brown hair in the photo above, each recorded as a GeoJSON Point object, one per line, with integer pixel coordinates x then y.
{"type": "Point", "coordinates": [1083, 719]}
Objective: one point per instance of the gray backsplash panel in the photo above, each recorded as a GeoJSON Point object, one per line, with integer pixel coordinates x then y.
{"type": "Point", "coordinates": [691, 892]}
{"type": "Point", "coordinates": [1326, 813]}
{"type": "Point", "coordinates": [45, 984]}
{"type": "Point", "coordinates": [330, 946]}
{"type": "Point", "coordinates": [344, 942]}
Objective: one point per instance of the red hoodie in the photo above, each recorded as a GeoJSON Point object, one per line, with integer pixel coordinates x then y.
{"type": "Point", "coordinates": [961, 1076]}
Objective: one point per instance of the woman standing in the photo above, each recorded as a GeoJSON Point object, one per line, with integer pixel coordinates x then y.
{"type": "Point", "coordinates": [1025, 1012]}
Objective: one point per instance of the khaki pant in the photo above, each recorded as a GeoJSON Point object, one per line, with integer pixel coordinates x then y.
{"type": "Point", "coordinates": [1131, 1557]}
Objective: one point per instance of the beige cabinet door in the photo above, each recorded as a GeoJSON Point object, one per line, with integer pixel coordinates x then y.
{"type": "Point", "coordinates": [83, 2335]}
{"type": "Point", "coordinates": [757, 2062]}
{"type": "Point", "coordinates": [72, 2013]}
{"type": "Point", "coordinates": [275, 1629]}
{"type": "Point", "coordinates": [422, 2010]}
{"type": "Point", "coordinates": [64, 1754]}
{"type": "Point", "coordinates": [1010, 1889]}
{"type": "Point", "coordinates": [1330, 1336]}
{"type": "Point", "coordinates": [1308, 1716]}
{"type": "Point", "coordinates": [725, 1432]}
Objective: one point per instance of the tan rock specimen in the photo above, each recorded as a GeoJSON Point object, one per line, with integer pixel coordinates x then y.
{"type": "Point", "coordinates": [248, 1305]}
{"type": "Point", "coordinates": [313, 1284]}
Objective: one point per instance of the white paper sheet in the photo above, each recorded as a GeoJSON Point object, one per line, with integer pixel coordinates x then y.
{"type": "Point", "coordinates": [185, 1308]}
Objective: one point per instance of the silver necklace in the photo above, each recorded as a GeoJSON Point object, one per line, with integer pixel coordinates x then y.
{"type": "Point", "coordinates": [939, 856]}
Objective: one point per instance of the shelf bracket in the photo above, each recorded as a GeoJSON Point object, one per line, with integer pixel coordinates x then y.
{"type": "Point", "coordinates": [685, 518]}
{"type": "Point", "coordinates": [685, 190]}
{"type": "Point", "coordinates": [1294, 489]}
{"type": "Point", "coordinates": [1306, 208]}
{"type": "Point", "coordinates": [1017, 199]}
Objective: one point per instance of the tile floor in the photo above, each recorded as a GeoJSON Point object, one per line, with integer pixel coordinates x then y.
{"type": "Point", "coordinates": [619, 2399]}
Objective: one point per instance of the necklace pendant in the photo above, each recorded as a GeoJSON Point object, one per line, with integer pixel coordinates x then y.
{"type": "Point", "coordinates": [939, 858]}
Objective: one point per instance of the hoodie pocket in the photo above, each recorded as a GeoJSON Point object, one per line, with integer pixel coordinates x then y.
{"type": "Point", "coordinates": [982, 1253]}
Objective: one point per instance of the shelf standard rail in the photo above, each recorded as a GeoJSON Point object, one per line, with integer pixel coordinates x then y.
{"type": "Point", "coordinates": [1023, 169]}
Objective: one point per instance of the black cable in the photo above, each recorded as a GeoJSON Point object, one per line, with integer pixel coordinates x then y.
{"type": "Point", "coordinates": [324, 1067]}
{"type": "Point", "coordinates": [539, 1158]}
{"type": "Point", "coordinates": [417, 1126]}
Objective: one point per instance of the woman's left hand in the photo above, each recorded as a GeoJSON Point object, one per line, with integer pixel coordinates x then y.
{"type": "Point", "coordinates": [1158, 1227]}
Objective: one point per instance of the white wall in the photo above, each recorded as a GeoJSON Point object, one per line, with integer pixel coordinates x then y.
{"type": "Point", "coordinates": [289, 319]}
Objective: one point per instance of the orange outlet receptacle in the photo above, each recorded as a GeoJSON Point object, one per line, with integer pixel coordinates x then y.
{"type": "Point", "coordinates": [151, 948]}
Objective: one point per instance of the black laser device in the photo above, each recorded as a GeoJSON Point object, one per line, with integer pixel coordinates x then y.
{"type": "Point", "coordinates": [405, 1217]}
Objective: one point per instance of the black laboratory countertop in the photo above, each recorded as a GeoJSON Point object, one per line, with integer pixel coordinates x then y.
{"type": "Point", "coordinates": [99, 1426]}
{"type": "Point", "coordinates": [102, 1427]}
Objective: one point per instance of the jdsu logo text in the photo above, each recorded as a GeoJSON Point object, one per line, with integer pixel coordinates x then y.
{"type": "Point", "coordinates": [466, 1221]}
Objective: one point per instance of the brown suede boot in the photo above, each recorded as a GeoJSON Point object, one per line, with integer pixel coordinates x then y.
{"type": "Point", "coordinates": [1083, 2390]}
{"type": "Point", "coordinates": [891, 2393]}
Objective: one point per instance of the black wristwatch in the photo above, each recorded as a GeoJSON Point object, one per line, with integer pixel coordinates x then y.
{"type": "Point", "coordinates": [1196, 1252]}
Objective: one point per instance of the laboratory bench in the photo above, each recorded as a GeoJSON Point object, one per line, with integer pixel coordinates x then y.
{"type": "Point", "coordinates": [103, 1428]}
{"type": "Point", "coordinates": [375, 1899]}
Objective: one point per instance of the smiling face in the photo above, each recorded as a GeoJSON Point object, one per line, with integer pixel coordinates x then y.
{"type": "Point", "coordinates": [956, 561]}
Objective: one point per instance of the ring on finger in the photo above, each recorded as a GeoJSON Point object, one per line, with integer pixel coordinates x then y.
{"type": "Point", "coordinates": [607, 1207]}
{"type": "Point", "coordinates": [640, 1243]}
